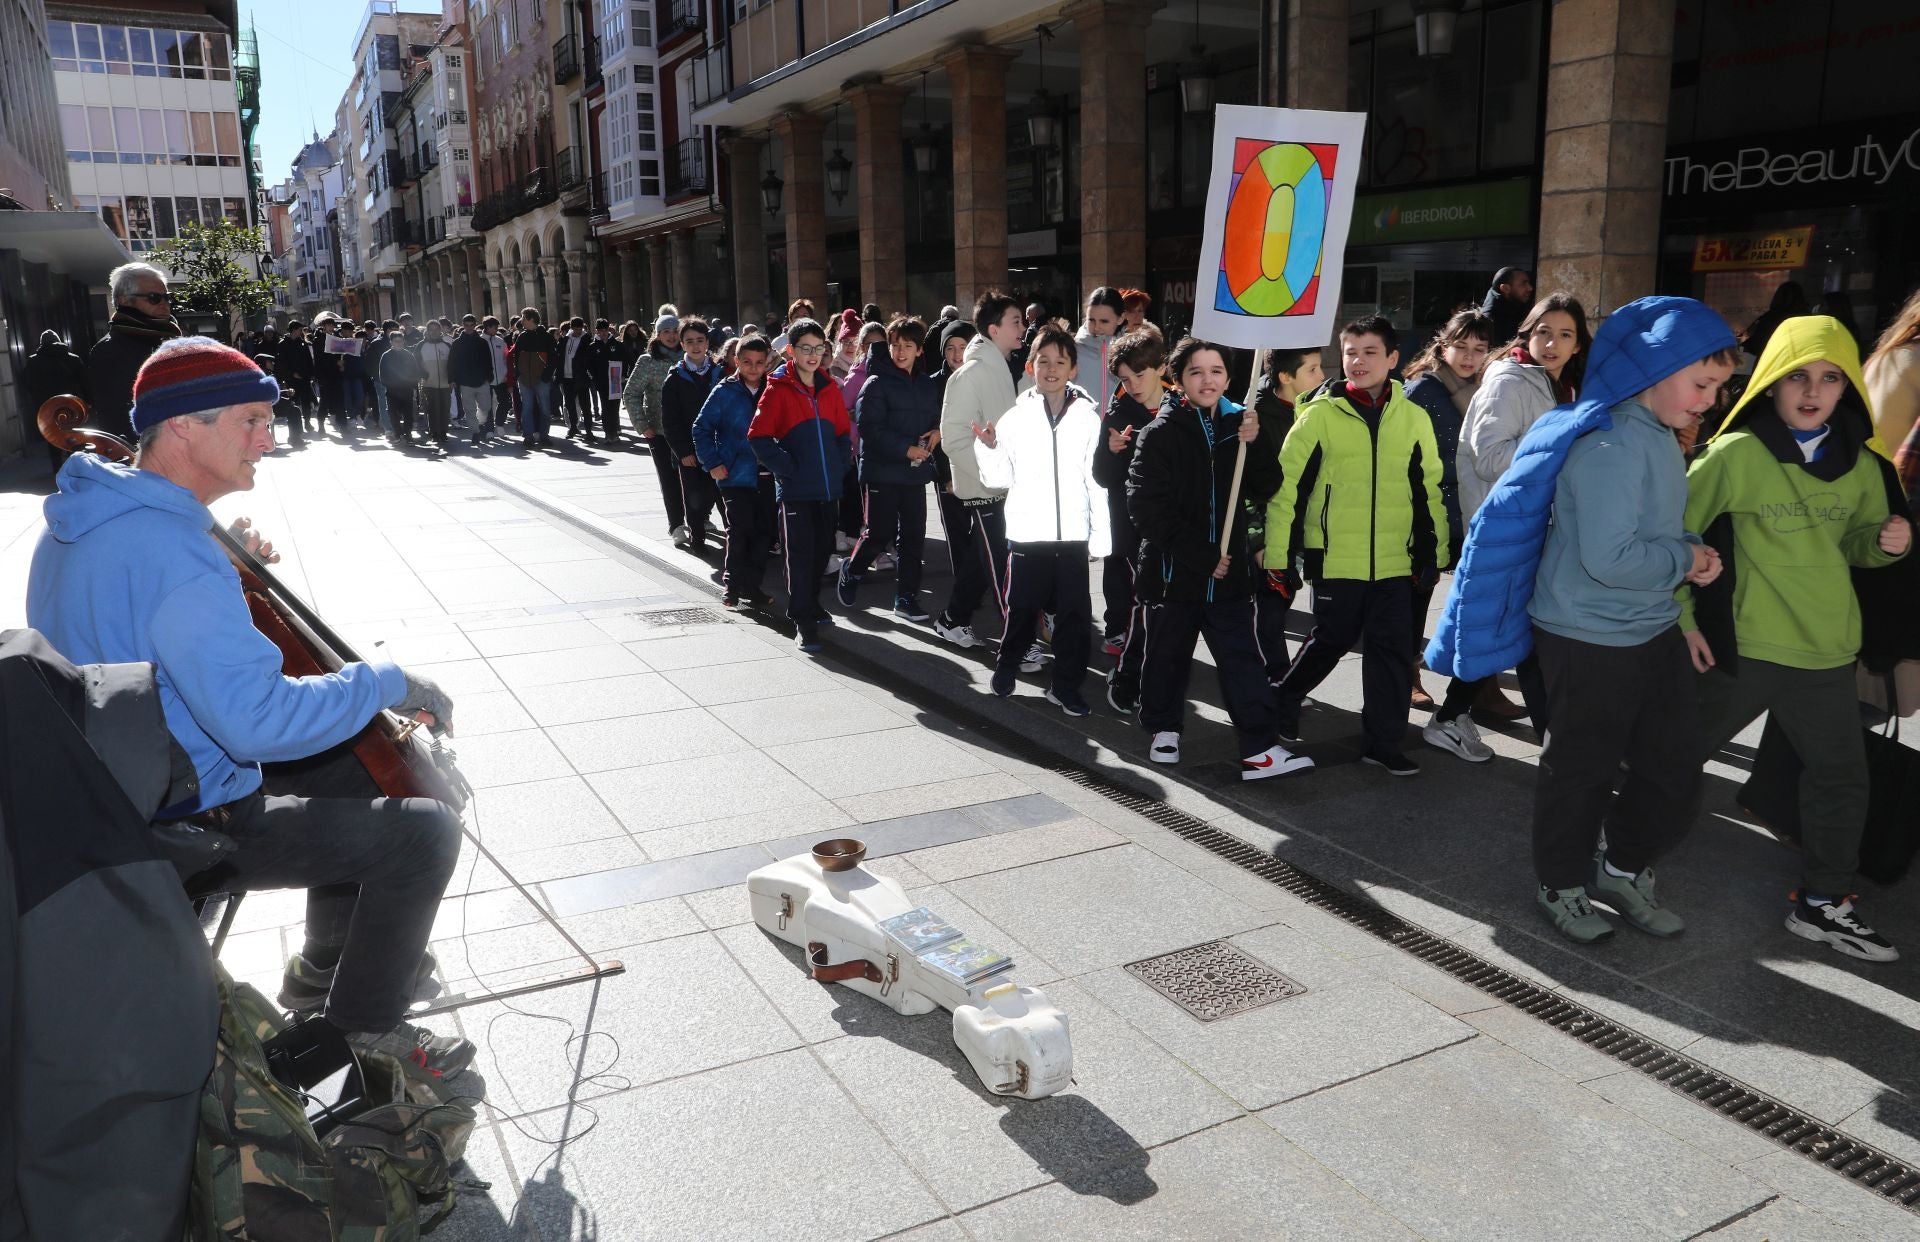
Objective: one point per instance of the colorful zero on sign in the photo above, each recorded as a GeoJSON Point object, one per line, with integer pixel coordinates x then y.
{"type": "Point", "coordinates": [1275, 228]}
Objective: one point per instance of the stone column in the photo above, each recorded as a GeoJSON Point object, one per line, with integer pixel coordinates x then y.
{"type": "Point", "coordinates": [658, 288]}
{"type": "Point", "coordinates": [979, 77]}
{"type": "Point", "coordinates": [595, 287]}
{"type": "Point", "coordinates": [577, 292]}
{"type": "Point", "coordinates": [680, 254]}
{"type": "Point", "coordinates": [476, 283]}
{"type": "Point", "coordinates": [880, 191]}
{"type": "Point", "coordinates": [506, 282]}
{"type": "Point", "coordinates": [1113, 140]}
{"type": "Point", "coordinates": [1316, 39]}
{"type": "Point", "coordinates": [806, 206]}
{"type": "Point", "coordinates": [1600, 181]}
{"type": "Point", "coordinates": [746, 228]}
{"type": "Point", "coordinates": [548, 297]}
{"type": "Point", "coordinates": [631, 298]}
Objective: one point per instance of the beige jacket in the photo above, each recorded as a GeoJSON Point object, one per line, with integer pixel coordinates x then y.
{"type": "Point", "coordinates": [979, 392]}
{"type": "Point", "coordinates": [1893, 387]}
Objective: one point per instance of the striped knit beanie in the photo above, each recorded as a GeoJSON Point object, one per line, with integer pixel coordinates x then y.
{"type": "Point", "coordinates": [194, 373]}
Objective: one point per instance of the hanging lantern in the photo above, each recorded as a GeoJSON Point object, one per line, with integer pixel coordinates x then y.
{"type": "Point", "coordinates": [770, 187]}
{"type": "Point", "coordinates": [839, 167]}
{"type": "Point", "coordinates": [1196, 80]}
{"type": "Point", "coordinates": [1434, 24]}
{"type": "Point", "coordinates": [1043, 127]}
{"type": "Point", "coordinates": [926, 151]}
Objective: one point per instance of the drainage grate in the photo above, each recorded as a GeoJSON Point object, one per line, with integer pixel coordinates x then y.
{"type": "Point", "coordinates": [665, 618]}
{"type": "Point", "coordinates": [1214, 980]}
{"type": "Point", "coordinates": [1797, 1131]}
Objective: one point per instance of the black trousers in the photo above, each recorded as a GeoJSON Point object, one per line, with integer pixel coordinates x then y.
{"type": "Point", "coordinates": [698, 495]}
{"type": "Point", "coordinates": [979, 559]}
{"type": "Point", "coordinates": [289, 409]}
{"type": "Point", "coordinates": [750, 526]}
{"type": "Point", "coordinates": [1133, 633]}
{"type": "Point", "coordinates": [852, 514]}
{"type": "Point", "coordinates": [575, 393]}
{"type": "Point", "coordinates": [374, 870]}
{"type": "Point", "coordinates": [1270, 609]}
{"type": "Point", "coordinates": [1116, 570]}
{"type": "Point", "coordinates": [667, 467]}
{"type": "Point", "coordinates": [435, 403]}
{"type": "Point", "coordinates": [609, 409]}
{"type": "Point", "coordinates": [1376, 613]}
{"type": "Point", "coordinates": [1609, 705]}
{"type": "Point", "coordinates": [806, 540]}
{"type": "Point", "coordinates": [400, 407]}
{"type": "Point", "coordinates": [1049, 577]}
{"type": "Point", "coordinates": [1172, 628]}
{"type": "Point", "coordinates": [1461, 695]}
{"type": "Point", "coordinates": [895, 513]}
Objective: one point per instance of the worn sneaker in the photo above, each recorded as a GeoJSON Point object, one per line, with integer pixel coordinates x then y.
{"type": "Point", "coordinates": [759, 600]}
{"type": "Point", "coordinates": [808, 640]}
{"type": "Point", "coordinates": [1572, 915]}
{"type": "Point", "coordinates": [1632, 899]}
{"type": "Point", "coordinates": [1273, 761]}
{"type": "Point", "coordinates": [1836, 923]}
{"type": "Point", "coordinates": [1165, 748]}
{"type": "Point", "coordinates": [847, 588]}
{"type": "Point", "coordinates": [833, 566]}
{"type": "Point", "coordinates": [841, 543]}
{"type": "Point", "coordinates": [304, 986]}
{"type": "Point", "coordinates": [884, 562]}
{"type": "Point", "coordinates": [730, 602]}
{"type": "Point", "coordinates": [1070, 702]}
{"type": "Point", "coordinates": [1035, 659]}
{"type": "Point", "coordinates": [1392, 760]}
{"type": "Point", "coordinates": [907, 608]}
{"type": "Point", "coordinates": [416, 1046]}
{"type": "Point", "coordinates": [1114, 644]}
{"type": "Point", "coordinates": [1459, 736]}
{"type": "Point", "coordinates": [958, 635]}
{"type": "Point", "coordinates": [1003, 682]}
{"type": "Point", "coordinates": [1123, 695]}
{"type": "Point", "coordinates": [681, 535]}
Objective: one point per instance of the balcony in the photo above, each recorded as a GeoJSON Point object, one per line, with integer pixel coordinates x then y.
{"type": "Point", "coordinates": [436, 230]}
{"type": "Point", "coordinates": [593, 61]}
{"type": "Point", "coordinates": [682, 16]}
{"type": "Point", "coordinates": [598, 206]}
{"type": "Point", "coordinates": [429, 157]}
{"type": "Point", "coordinates": [712, 76]}
{"type": "Point", "coordinates": [412, 236]}
{"type": "Point", "coordinates": [687, 170]}
{"type": "Point", "coordinates": [536, 189]}
{"type": "Point", "coordinates": [570, 168]}
{"type": "Point", "coordinates": [566, 59]}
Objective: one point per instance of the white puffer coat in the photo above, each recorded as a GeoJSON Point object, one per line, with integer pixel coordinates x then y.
{"type": "Point", "coordinates": [1047, 468]}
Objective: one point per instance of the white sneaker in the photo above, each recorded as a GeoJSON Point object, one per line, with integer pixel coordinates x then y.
{"type": "Point", "coordinates": [1165, 748]}
{"type": "Point", "coordinates": [841, 543]}
{"type": "Point", "coordinates": [682, 536]}
{"type": "Point", "coordinates": [958, 635]}
{"type": "Point", "coordinates": [1035, 659]}
{"type": "Point", "coordinates": [833, 565]}
{"type": "Point", "coordinates": [883, 562]}
{"type": "Point", "coordinates": [1275, 760]}
{"type": "Point", "coordinates": [1459, 736]}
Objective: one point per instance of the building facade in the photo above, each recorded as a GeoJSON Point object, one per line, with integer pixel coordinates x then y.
{"type": "Point", "coordinates": [444, 267]}
{"type": "Point", "coordinates": [314, 276]}
{"type": "Point", "coordinates": [386, 46]}
{"type": "Point", "coordinates": [150, 116]}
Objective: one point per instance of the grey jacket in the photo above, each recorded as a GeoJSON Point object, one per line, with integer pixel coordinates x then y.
{"type": "Point", "coordinates": [1512, 396]}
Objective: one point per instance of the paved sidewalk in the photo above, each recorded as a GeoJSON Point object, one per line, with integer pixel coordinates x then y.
{"type": "Point", "coordinates": [634, 772]}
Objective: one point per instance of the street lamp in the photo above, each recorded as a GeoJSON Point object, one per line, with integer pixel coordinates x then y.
{"type": "Point", "coordinates": [1043, 127]}
{"type": "Point", "coordinates": [1434, 22]}
{"type": "Point", "coordinates": [720, 246]}
{"type": "Point", "coordinates": [1196, 84]}
{"type": "Point", "coordinates": [771, 184]}
{"type": "Point", "coordinates": [838, 165]}
{"type": "Point", "coordinates": [926, 152]}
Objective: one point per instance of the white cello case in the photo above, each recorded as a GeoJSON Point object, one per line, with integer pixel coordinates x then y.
{"type": "Point", "coordinates": [1014, 1037]}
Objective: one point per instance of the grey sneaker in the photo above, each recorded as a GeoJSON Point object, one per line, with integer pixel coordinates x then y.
{"type": "Point", "coordinates": [438, 1055]}
{"type": "Point", "coordinates": [1459, 736]}
{"type": "Point", "coordinates": [1633, 900]}
{"type": "Point", "coordinates": [304, 986]}
{"type": "Point", "coordinates": [1572, 916]}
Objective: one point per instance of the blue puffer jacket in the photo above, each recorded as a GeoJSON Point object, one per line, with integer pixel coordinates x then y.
{"type": "Point", "coordinates": [895, 411]}
{"type": "Point", "coordinates": [720, 432]}
{"type": "Point", "coordinates": [1485, 627]}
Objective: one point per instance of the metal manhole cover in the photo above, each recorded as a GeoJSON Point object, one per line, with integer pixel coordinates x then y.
{"type": "Point", "coordinates": [1214, 980]}
{"type": "Point", "coordinates": [666, 617]}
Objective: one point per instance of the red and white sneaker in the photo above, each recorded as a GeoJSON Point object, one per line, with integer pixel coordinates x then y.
{"type": "Point", "coordinates": [1276, 760]}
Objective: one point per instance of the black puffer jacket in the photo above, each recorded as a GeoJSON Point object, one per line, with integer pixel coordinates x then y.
{"type": "Point", "coordinates": [895, 411]}
{"type": "Point", "coordinates": [1177, 489]}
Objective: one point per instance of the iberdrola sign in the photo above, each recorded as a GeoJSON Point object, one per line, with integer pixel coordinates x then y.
{"type": "Point", "coordinates": [1484, 209]}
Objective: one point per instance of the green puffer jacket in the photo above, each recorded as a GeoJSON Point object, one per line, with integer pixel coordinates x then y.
{"type": "Point", "coordinates": [1359, 494]}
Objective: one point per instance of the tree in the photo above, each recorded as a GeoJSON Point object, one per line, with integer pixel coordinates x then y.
{"type": "Point", "coordinates": [214, 261]}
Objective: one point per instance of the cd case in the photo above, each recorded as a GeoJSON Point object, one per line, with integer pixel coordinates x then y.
{"type": "Point", "coordinates": [966, 961]}
{"type": "Point", "coordinates": [919, 929]}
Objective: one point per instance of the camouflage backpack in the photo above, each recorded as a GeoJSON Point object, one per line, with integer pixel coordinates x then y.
{"type": "Point", "coordinates": [260, 1173]}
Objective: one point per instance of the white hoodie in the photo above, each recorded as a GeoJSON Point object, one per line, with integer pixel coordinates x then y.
{"type": "Point", "coordinates": [1047, 468]}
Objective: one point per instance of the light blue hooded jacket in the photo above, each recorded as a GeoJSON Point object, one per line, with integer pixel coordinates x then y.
{"type": "Point", "coordinates": [126, 572]}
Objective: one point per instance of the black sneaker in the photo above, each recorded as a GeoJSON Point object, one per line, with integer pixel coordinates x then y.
{"type": "Point", "coordinates": [847, 588]}
{"type": "Point", "coordinates": [758, 600]}
{"type": "Point", "coordinates": [908, 608]}
{"type": "Point", "coordinates": [1123, 695]}
{"type": "Point", "coordinates": [809, 640]}
{"type": "Point", "coordinates": [1288, 727]}
{"type": "Point", "coordinates": [1837, 924]}
{"type": "Point", "coordinates": [1069, 701]}
{"type": "Point", "coordinates": [730, 602]}
{"type": "Point", "coordinates": [1392, 760]}
{"type": "Point", "coordinates": [1003, 682]}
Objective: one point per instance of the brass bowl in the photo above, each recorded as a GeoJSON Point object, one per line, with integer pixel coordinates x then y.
{"type": "Point", "coordinates": [839, 854]}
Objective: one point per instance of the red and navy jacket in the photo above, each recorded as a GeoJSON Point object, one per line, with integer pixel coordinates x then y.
{"type": "Point", "coordinates": [804, 438]}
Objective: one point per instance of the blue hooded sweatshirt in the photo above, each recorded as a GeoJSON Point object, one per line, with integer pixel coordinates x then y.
{"type": "Point", "coordinates": [126, 571]}
{"type": "Point", "coordinates": [1486, 626]}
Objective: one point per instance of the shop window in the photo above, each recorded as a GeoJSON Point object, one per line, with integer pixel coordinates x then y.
{"type": "Point", "coordinates": [235, 211]}
{"type": "Point", "coordinates": [188, 211]}
{"type": "Point", "coordinates": [1425, 113]}
{"type": "Point", "coordinates": [1163, 150]}
{"type": "Point", "coordinates": [210, 211]}
{"type": "Point", "coordinates": [1510, 109]}
{"type": "Point", "coordinates": [139, 218]}
{"type": "Point", "coordinates": [1359, 91]}
{"type": "Point", "coordinates": [163, 226]}
{"type": "Point", "coordinates": [114, 214]}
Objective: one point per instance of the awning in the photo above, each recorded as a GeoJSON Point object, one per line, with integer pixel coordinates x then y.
{"type": "Point", "coordinates": [77, 243]}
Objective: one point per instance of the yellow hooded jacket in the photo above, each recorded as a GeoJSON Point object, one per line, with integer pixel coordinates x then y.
{"type": "Point", "coordinates": [1789, 531]}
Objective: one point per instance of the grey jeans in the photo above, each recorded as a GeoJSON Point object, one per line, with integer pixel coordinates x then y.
{"type": "Point", "coordinates": [374, 870]}
{"type": "Point", "coordinates": [1818, 710]}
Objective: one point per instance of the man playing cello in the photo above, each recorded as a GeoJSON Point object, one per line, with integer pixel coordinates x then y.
{"type": "Point", "coordinates": [127, 571]}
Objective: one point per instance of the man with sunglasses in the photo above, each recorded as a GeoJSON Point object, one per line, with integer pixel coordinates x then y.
{"type": "Point", "coordinates": [142, 318]}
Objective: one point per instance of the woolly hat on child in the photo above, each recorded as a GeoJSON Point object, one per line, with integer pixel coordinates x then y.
{"type": "Point", "coordinates": [191, 374]}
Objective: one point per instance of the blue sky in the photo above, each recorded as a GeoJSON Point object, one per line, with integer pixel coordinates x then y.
{"type": "Point", "coordinates": [305, 65]}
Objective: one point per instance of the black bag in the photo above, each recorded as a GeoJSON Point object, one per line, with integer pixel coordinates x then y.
{"type": "Point", "coordinates": [1892, 835]}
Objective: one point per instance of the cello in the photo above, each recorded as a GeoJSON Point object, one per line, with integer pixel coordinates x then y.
{"type": "Point", "coordinates": [401, 759]}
